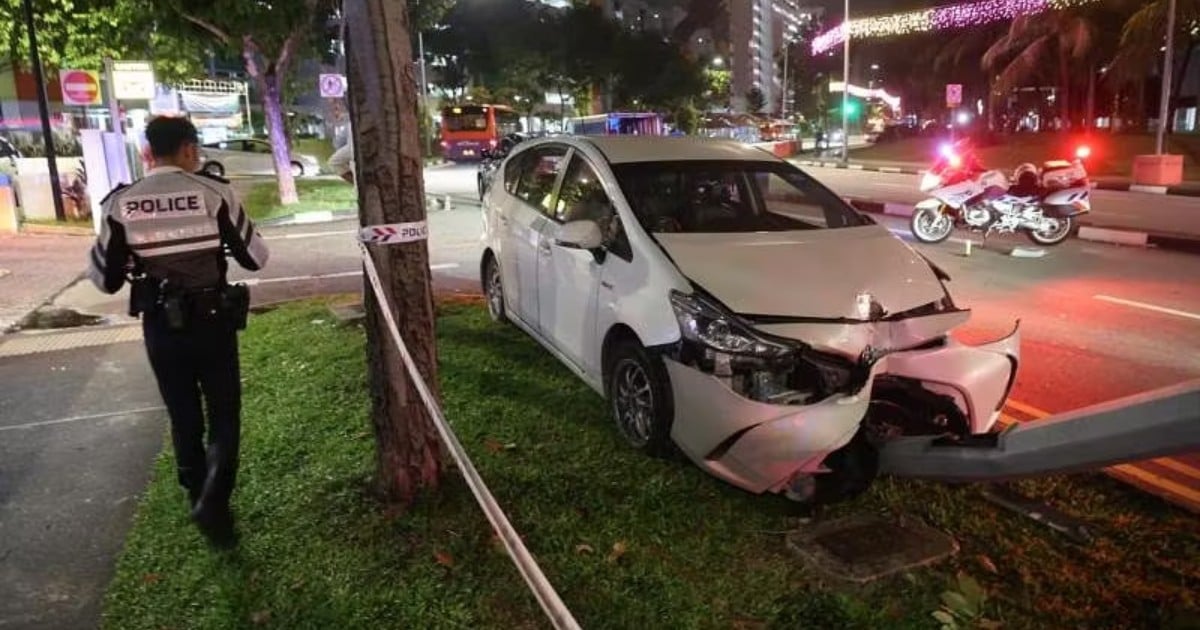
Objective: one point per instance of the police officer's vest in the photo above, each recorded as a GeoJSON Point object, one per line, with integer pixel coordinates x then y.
{"type": "Point", "coordinates": [170, 220]}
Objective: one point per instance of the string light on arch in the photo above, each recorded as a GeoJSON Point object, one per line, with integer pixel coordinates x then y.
{"type": "Point", "coordinates": [939, 18]}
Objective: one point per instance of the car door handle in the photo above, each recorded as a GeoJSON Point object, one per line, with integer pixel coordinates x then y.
{"type": "Point", "coordinates": [606, 284]}
{"type": "Point", "coordinates": [545, 248]}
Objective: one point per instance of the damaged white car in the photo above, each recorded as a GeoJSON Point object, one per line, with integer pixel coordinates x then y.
{"type": "Point", "coordinates": [727, 304]}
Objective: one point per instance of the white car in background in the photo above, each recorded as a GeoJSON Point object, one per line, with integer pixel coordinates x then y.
{"type": "Point", "coordinates": [250, 157]}
{"type": "Point", "coordinates": [727, 304]}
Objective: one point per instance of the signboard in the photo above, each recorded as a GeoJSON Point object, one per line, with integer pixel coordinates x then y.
{"type": "Point", "coordinates": [80, 87]}
{"type": "Point", "coordinates": [332, 85]}
{"type": "Point", "coordinates": [953, 94]}
{"type": "Point", "coordinates": [133, 80]}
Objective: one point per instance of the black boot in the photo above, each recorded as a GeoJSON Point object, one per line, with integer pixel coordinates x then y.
{"type": "Point", "coordinates": [215, 521]}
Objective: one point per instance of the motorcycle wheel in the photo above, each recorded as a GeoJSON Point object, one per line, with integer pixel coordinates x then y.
{"type": "Point", "coordinates": [1059, 233]}
{"type": "Point", "coordinates": [931, 226]}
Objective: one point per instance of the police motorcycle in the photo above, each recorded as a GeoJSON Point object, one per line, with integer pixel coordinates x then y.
{"type": "Point", "coordinates": [1043, 203]}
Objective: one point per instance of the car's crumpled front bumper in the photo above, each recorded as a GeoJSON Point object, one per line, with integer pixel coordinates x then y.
{"type": "Point", "coordinates": [760, 447]}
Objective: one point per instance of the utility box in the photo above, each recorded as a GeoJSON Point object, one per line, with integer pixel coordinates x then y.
{"type": "Point", "coordinates": [1157, 170]}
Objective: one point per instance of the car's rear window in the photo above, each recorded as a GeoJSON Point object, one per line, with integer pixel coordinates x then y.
{"type": "Point", "coordinates": [711, 196]}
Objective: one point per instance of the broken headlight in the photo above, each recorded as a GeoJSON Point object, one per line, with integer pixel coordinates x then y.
{"type": "Point", "coordinates": [706, 323]}
{"type": "Point", "coordinates": [760, 368]}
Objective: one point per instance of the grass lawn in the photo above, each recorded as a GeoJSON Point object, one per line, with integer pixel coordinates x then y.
{"type": "Point", "coordinates": [262, 200]}
{"type": "Point", "coordinates": [75, 223]}
{"type": "Point", "coordinates": [628, 541]}
{"type": "Point", "coordinates": [1111, 154]}
{"type": "Point", "coordinates": [316, 147]}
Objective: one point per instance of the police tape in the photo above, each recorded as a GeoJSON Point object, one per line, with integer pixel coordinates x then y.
{"type": "Point", "coordinates": [394, 233]}
{"type": "Point", "coordinates": [547, 597]}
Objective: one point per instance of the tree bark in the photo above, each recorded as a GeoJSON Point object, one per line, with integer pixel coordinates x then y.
{"type": "Point", "coordinates": [273, 108]}
{"type": "Point", "coordinates": [383, 111]}
{"type": "Point", "coordinates": [269, 81]}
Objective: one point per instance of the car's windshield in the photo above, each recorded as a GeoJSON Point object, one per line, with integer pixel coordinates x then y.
{"type": "Point", "coordinates": [734, 196]}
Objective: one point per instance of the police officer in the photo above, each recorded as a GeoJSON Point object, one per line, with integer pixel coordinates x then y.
{"type": "Point", "coordinates": [169, 233]}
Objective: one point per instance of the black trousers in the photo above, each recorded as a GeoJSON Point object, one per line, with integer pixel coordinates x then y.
{"type": "Point", "coordinates": [197, 371]}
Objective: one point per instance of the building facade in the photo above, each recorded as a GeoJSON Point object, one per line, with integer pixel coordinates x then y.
{"type": "Point", "coordinates": [758, 31]}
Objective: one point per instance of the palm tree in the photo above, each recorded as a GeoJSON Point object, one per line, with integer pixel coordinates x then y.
{"type": "Point", "coordinates": [1140, 52]}
{"type": "Point", "coordinates": [1020, 55]}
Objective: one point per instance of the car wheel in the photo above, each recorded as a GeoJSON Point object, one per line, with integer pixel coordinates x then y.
{"type": "Point", "coordinates": [213, 168]}
{"type": "Point", "coordinates": [640, 398]}
{"type": "Point", "coordinates": [297, 169]}
{"type": "Point", "coordinates": [493, 289]}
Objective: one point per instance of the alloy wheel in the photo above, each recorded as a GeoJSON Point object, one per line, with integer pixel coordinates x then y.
{"type": "Point", "coordinates": [633, 402]}
{"type": "Point", "coordinates": [495, 292]}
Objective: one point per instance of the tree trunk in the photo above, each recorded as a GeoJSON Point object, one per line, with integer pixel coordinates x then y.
{"type": "Point", "coordinates": [273, 109]}
{"type": "Point", "coordinates": [383, 109]}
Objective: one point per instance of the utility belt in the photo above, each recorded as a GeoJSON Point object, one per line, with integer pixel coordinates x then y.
{"type": "Point", "coordinates": [184, 308]}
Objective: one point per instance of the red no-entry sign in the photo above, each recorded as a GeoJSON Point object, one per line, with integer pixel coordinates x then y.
{"type": "Point", "coordinates": [80, 87]}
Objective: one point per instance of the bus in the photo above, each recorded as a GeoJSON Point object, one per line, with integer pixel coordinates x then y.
{"type": "Point", "coordinates": [469, 129]}
{"type": "Point", "coordinates": [618, 123]}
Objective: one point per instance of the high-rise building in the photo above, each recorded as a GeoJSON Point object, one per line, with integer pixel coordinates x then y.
{"type": "Point", "coordinates": [758, 32]}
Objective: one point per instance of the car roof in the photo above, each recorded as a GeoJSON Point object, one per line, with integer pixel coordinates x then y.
{"type": "Point", "coordinates": [632, 149]}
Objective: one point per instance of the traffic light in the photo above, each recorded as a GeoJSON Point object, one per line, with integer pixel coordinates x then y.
{"type": "Point", "coordinates": [851, 108]}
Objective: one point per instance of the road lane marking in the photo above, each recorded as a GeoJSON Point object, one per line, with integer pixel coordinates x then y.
{"type": "Point", "coordinates": [1156, 481]}
{"type": "Point", "coordinates": [330, 276]}
{"type": "Point", "coordinates": [906, 233]}
{"type": "Point", "coordinates": [1148, 307]}
{"type": "Point", "coordinates": [1179, 467]}
{"type": "Point", "coordinates": [94, 416]}
{"type": "Point", "coordinates": [1029, 410]}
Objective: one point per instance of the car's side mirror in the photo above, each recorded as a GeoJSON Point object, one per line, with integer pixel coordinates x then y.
{"type": "Point", "coordinates": [487, 154]}
{"type": "Point", "coordinates": [580, 235]}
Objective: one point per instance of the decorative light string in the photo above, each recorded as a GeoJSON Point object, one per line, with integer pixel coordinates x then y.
{"type": "Point", "coordinates": [939, 18]}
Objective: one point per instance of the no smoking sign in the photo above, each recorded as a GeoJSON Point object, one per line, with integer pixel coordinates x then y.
{"type": "Point", "coordinates": [332, 85]}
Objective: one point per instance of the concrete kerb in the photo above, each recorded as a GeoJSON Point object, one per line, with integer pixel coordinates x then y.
{"type": "Point", "coordinates": [433, 202]}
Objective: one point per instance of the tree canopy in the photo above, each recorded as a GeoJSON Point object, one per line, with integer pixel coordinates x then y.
{"type": "Point", "coordinates": [81, 33]}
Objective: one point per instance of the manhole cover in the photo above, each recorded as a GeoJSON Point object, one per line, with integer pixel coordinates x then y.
{"type": "Point", "coordinates": [866, 548]}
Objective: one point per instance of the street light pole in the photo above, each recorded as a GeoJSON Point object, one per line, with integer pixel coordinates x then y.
{"type": "Point", "coordinates": [425, 95]}
{"type": "Point", "coordinates": [1164, 106]}
{"type": "Point", "coordinates": [783, 98]}
{"type": "Point", "coordinates": [44, 110]}
{"type": "Point", "coordinates": [846, 83]}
